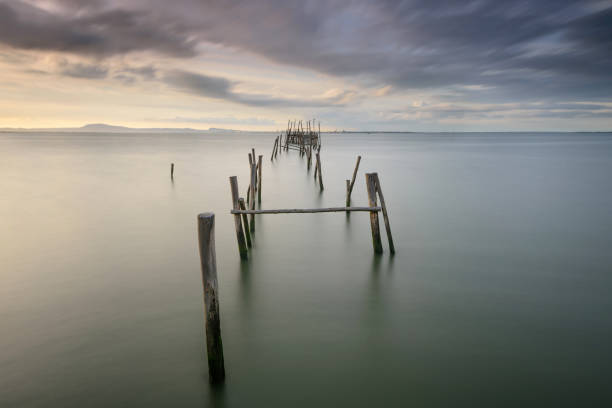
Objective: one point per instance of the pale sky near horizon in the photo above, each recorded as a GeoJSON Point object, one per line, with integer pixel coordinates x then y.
{"type": "Point", "coordinates": [418, 65]}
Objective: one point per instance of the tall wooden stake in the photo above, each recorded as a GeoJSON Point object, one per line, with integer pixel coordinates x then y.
{"type": "Point", "coordinates": [274, 149]}
{"type": "Point", "coordinates": [350, 190]}
{"type": "Point", "coordinates": [252, 191]}
{"type": "Point", "coordinates": [348, 193]}
{"type": "Point", "coordinates": [259, 179]}
{"type": "Point", "coordinates": [320, 172]}
{"type": "Point", "coordinates": [385, 215]}
{"type": "Point", "coordinates": [242, 248]}
{"type": "Point", "coordinates": [371, 186]}
{"type": "Point", "coordinates": [245, 220]}
{"type": "Point", "coordinates": [172, 170]}
{"type": "Point", "coordinates": [208, 263]}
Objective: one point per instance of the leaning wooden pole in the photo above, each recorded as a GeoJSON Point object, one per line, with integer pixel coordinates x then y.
{"type": "Point", "coordinates": [242, 248]}
{"type": "Point", "coordinates": [350, 190]}
{"type": "Point", "coordinates": [371, 187]}
{"type": "Point", "coordinates": [320, 172]}
{"type": "Point", "coordinates": [208, 263]}
{"type": "Point", "coordinates": [274, 149]}
{"type": "Point", "coordinates": [172, 171]}
{"type": "Point", "coordinates": [385, 214]}
{"type": "Point", "coordinates": [245, 221]}
{"type": "Point", "coordinates": [307, 210]}
{"type": "Point", "coordinates": [259, 179]}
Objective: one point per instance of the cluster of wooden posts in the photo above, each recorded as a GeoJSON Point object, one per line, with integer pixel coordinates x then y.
{"type": "Point", "coordinates": [306, 141]}
{"type": "Point", "coordinates": [304, 138]}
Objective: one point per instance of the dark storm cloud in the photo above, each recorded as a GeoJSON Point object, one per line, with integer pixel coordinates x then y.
{"type": "Point", "coordinates": [99, 33]}
{"type": "Point", "coordinates": [521, 50]}
{"type": "Point", "coordinates": [222, 88]}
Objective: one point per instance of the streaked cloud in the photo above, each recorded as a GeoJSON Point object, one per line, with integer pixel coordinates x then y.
{"type": "Point", "coordinates": [363, 59]}
{"type": "Point", "coordinates": [222, 88]}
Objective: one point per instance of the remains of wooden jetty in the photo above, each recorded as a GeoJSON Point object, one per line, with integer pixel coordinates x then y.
{"type": "Point", "coordinates": [307, 141]}
{"type": "Point", "coordinates": [302, 135]}
{"type": "Point", "coordinates": [373, 188]}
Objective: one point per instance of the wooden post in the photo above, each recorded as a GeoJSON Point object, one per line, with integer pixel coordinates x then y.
{"type": "Point", "coordinates": [316, 165]}
{"type": "Point", "coordinates": [371, 186]}
{"type": "Point", "coordinates": [238, 224]}
{"type": "Point", "coordinates": [354, 174]}
{"type": "Point", "coordinates": [253, 177]}
{"type": "Point", "coordinates": [172, 170]}
{"type": "Point", "coordinates": [385, 215]}
{"type": "Point", "coordinates": [348, 194]}
{"type": "Point", "coordinates": [245, 220]}
{"type": "Point", "coordinates": [273, 149]}
{"type": "Point", "coordinates": [320, 172]}
{"type": "Point", "coordinates": [208, 263]}
{"type": "Point", "coordinates": [259, 180]}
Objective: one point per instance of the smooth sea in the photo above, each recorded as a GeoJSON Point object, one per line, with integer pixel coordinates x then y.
{"type": "Point", "coordinates": [500, 293]}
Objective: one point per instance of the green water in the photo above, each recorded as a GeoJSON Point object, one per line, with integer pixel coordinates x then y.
{"type": "Point", "coordinates": [499, 294]}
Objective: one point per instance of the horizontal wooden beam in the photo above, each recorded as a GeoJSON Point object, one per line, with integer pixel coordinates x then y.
{"type": "Point", "coordinates": [306, 210]}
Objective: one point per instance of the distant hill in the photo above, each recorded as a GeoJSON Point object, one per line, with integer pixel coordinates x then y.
{"type": "Point", "coordinates": [104, 128]}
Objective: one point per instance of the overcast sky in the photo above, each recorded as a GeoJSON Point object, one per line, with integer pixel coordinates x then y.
{"type": "Point", "coordinates": [380, 64]}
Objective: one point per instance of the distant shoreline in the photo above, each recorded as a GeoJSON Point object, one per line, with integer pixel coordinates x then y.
{"type": "Point", "coordinates": [104, 128]}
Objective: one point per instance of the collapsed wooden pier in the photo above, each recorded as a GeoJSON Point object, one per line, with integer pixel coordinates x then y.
{"type": "Point", "coordinates": [306, 140]}
{"type": "Point", "coordinates": [304, 137]}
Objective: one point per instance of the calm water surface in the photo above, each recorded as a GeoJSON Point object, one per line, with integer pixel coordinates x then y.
{"type": "Point", "coordinates": [499, 295]}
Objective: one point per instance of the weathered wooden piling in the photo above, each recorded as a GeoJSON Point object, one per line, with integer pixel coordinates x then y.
{"type": "Point", "coordinates": [350, 190]}
{"type": "Point", "coordinates": [259, 179]}
{"type": "Point", "coordinates": [320, 172]}
{"type": "Point", "coordinates": [242, 248]}
{"type": "Point", "coordinates": [348, 194]}
{"type": "Point", "coordinates": [172, 170]}
{"type": "Point", "coordinates": [208, 263]}
{"type": "Point", "coordinates": [274, 149]}
{"type": "Point", "coordinates": [252, 191]}
{"type": "Point", "coordinates": [371, 187]}
{"type": "Point", "coordinates": [385, 215]}
{"type": "Point", "coordinates": [245, 221]}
